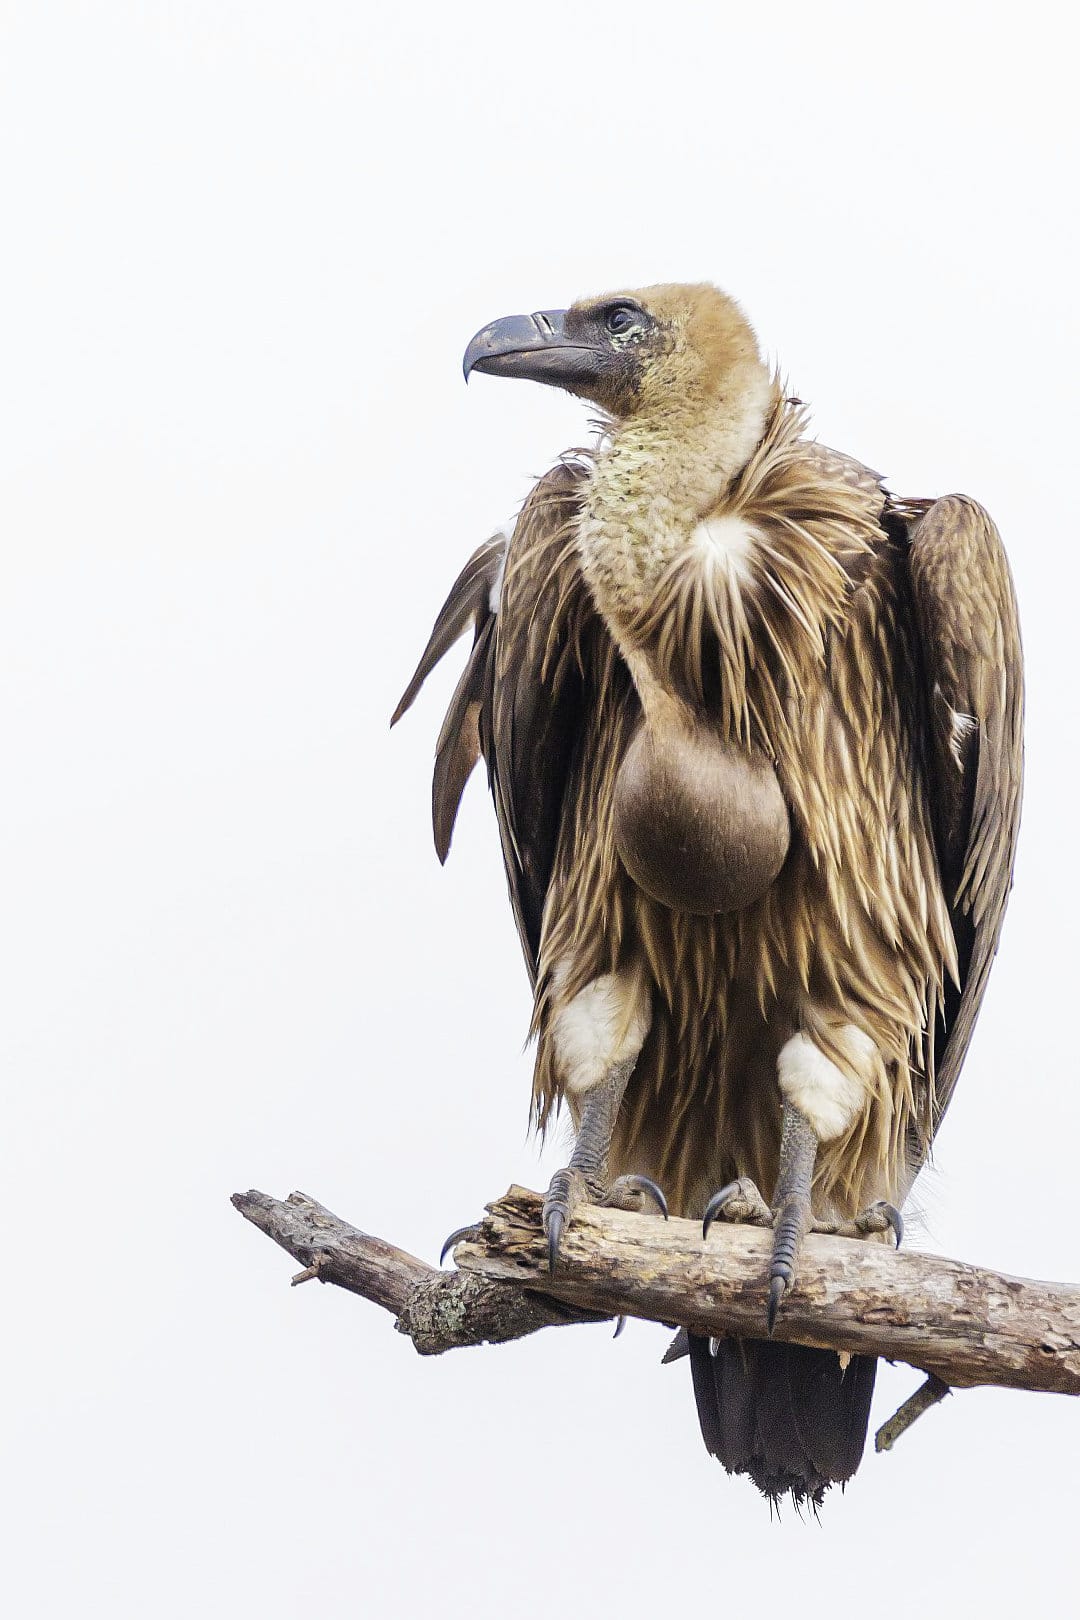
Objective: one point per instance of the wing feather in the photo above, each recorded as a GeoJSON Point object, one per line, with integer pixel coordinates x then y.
{"type": "Point", "coordinates": [529, 731]}
{"type": "Point", "coordinates": [519, 701]}
{"type": "Point", "coordinates": [472, 597]}
{"type": "Point", "coordinates": [966, 614]}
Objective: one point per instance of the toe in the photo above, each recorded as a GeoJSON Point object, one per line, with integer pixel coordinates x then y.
{"type": "Point", "coordinates": [453, 1240]}
{"type": "Point", "coordinates": [627, 1192]}
{"type": "Point", "coordinates": [565, 1191]}
{"type": "Point", "coordinates": [717, 1204]}
{"type": "Point", "coordinates": [554, 1224]}
{"type": "Point", "coordinates": [883, 1217]}
{"type": "Point", "coordinates": [738, 1201]}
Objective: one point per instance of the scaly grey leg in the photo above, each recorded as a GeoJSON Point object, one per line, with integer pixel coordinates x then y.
{"type": "Point", "coordinates": [585, 1177]}
{"type": "Point", "coordinates": [791, 1203]}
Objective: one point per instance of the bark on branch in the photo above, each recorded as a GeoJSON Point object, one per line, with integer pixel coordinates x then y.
{"type": "Point", "coordinates": [961, 1324]}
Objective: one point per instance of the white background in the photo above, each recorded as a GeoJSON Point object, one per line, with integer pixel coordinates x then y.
{"type": "Point", "coordinates": [243, 249]}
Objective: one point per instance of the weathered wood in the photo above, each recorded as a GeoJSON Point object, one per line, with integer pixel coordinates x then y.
{"type": "Point", "coordinates": [438, 1310]}
{"type": "Point", "coordinates": [926, 1396]}
{"type": "Point", "coordinates": [962, 1324]}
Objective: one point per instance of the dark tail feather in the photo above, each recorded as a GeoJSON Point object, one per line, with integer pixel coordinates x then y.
{"type": "Point", "coordinates": [782, 1413]}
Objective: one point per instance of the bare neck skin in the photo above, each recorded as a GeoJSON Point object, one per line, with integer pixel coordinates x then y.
{"type": "Point", "coordinates": [661, 474]}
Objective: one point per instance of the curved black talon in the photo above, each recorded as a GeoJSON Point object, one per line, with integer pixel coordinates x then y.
{"type": "Point", "coordinates": [642, 1184]}
{"type": "Point", "coordinates": [895, 1220]}
{"type": "Point", "coordinates": [555, 1221]}
{"type": "Point", "coordinates": [455, 1237]}
{"type": "Point", "coordinates": [716, 1204]}
{"type": "Point", "coordinates": [778, 1284]}
{"type": "Point", "coordinates": [619, 1325]}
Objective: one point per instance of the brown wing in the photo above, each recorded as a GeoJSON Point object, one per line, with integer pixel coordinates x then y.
{"type": "Point", "coordinates": [472, 597]}
{"type": "Point", "coordinates": [966, 614]}
{"type": "Point", "coordinates": [520, 697]}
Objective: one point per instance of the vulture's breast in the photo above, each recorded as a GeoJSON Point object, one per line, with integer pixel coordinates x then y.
{"type": "Point", "coordinates": [701, 826]}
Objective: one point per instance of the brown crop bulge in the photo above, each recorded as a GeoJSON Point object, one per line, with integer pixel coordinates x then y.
{"type": "Point", "coordinates": [701, 824]}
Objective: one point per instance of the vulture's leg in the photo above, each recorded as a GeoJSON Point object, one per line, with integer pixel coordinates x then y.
{"type": "Point", "coordinates": [585, 1177]}
{"type": "Point", "coordinates": [792, 1215]}
{"type": "Point", "coordinates": [821, 1103]}
{"type": "Point", "coordinates": [598, 1035]}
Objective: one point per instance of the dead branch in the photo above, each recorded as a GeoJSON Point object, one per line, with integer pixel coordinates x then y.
{"type": "Point", "coordinates": [961, 1324]}
{"type": "Point", "coordinates": [926, 1396]}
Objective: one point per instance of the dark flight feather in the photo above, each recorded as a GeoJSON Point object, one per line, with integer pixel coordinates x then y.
{"type": "Point", "coordinates": [965, 611]}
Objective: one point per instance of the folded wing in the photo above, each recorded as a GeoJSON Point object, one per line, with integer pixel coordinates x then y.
{"type": "Point", "coordinates": [969, 631]}
{"type": "Point", "coordinates": [520, 698]}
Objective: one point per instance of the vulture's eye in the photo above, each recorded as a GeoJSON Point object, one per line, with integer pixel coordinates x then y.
{"type": "Point", "coordinates": [620, 318]}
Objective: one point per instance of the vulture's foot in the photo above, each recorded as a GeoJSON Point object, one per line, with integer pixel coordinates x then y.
{"type": "Point", "coordinates": [585, 1179]}
{"type": "Point", "coordinates": [739, 1201]}
{"type": "Point", "coordinates": [874, 1220]}
{"type": "Point", "coordinates": [568, 1189]}
{"type": "Point", "coordinates": [573, 1186]}
{"type": "Point", "coordinates": [790, 1216]}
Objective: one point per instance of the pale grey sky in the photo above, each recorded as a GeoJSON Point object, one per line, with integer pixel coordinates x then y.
{"type": "Point", "coordinates": [244, 247]}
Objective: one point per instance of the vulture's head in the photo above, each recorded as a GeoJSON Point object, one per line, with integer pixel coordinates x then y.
{"type": "Point", "coordinates": [631, 353]}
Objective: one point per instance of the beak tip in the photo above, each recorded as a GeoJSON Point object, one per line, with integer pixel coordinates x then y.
{"type": "Point", "coordinates": [518, 346]}
{"type": "Point", "coordinates": [472, 354]}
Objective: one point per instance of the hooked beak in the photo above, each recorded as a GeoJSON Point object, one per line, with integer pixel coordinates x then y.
{"type": "Point", "coordinates": [535, 346]}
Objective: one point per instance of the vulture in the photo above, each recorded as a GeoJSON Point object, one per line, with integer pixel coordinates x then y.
{"type": "Point", "coordinates": [753, 729]}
